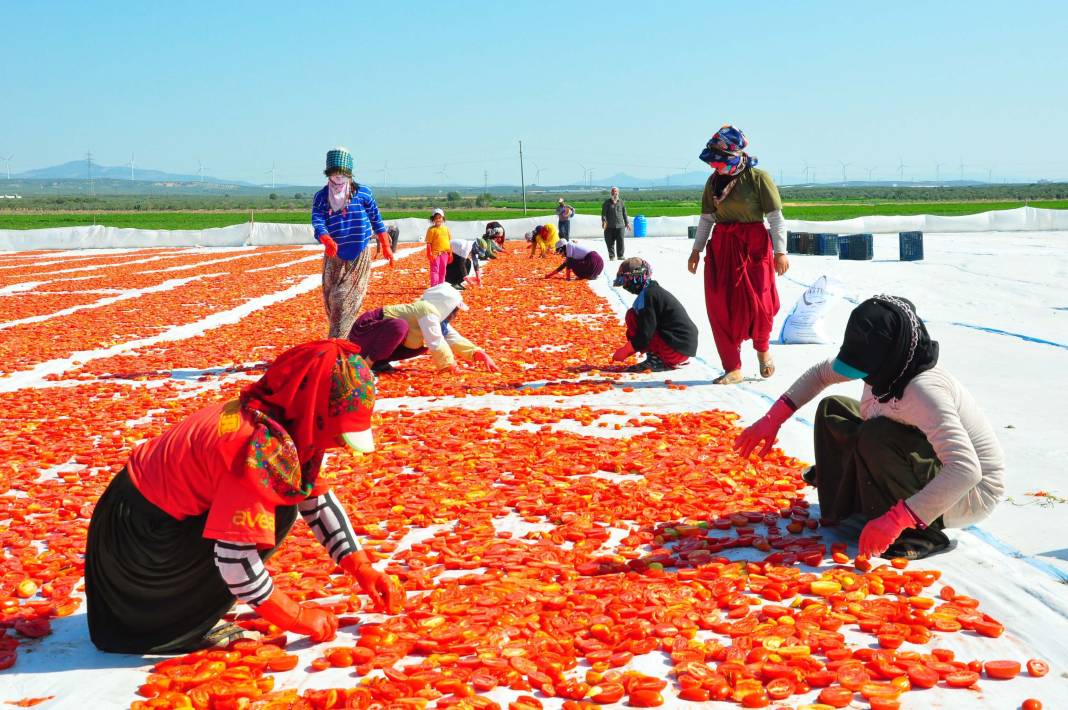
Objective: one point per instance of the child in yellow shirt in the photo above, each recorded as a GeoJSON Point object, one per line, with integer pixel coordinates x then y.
{"type": "Point", "coordinates": [438, 247]}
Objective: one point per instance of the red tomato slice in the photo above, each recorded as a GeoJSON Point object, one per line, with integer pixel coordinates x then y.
{"type": "Point", "coordinates": [1037, 668]}
{"type": "Point", "coordinates": [1002, 670]}
{"type": "Point", "coordinates": [962, 679]}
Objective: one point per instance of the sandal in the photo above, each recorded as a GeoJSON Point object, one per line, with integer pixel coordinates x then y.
{"type": "Point", "coordinates": [729, 378]}
{"type": "Point", "coordinates": [767, 364]}
{"type": "Point", "coordinates": [226, 633]}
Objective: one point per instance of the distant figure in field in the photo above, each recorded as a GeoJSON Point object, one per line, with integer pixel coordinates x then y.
{"type": "Point", "coordinates": [743, 256]}
{"type": "Point", "coordinates": [564, 213]}
{"type": "Point", "coordinates": [615, 223]}
{"type": "Point", "coordinates": [343, 215]}
{"type": "Point", "coordinates": [543, 240]}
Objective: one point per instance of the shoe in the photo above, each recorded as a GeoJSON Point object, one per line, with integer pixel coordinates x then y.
{"type": "Point", "coordinates": [729, 378]}
{"type": "Point", "coordinates": [913, 544]}
{"type": "Point", "coordinates": [225, 634]}
{"type": "Point", "coordinates": [643, 366]}
{"type": "Point", "coordinates": [460, 287]}
{"type": "Point", "coordinates": [767, 364]}
{"type": "Point", "coordinates": [809, 476]}
{"type": "Point", "coordinates": [383, 366]}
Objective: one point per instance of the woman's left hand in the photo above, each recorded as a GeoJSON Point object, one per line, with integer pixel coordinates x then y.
{"type": "Point", "coordinates": [782, 264]}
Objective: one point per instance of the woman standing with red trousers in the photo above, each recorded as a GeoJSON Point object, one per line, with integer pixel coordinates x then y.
{"type": "Point", "coordinates": [743, 255]}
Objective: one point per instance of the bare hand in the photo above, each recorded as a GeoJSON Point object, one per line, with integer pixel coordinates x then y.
{"type": "Point", "coordinates": [782, 264]}
{"type": "Point", "coordinates": [693, 261]}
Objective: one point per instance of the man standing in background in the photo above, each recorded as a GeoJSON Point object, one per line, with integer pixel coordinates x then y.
{"type": "Point", "coordinates": [615, 223]}
{"type": "Point", "coordinates": [564, 213]}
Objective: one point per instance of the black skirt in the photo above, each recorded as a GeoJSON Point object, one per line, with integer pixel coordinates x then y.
{"type": "Point", "coordinates": [151, 584]}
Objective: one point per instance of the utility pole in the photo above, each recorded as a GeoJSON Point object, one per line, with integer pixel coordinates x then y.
{"type": "Point", "coordinates": [89, 171]}
{"type": "Point", "coordinates": [522, 178]}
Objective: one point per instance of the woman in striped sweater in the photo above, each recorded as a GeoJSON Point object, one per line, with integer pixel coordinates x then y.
{"type": "Point", "coordinates": [182, 532]}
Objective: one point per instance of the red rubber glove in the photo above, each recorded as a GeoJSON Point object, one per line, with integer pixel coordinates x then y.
{"type": "Point", "coordinates": [487, 361]}
{"type": "Point", "coordinates": [764, 429]}
{"type": "Point", "coordinates": [429, 253]}
{"type": "Point", "coordinates": [312, 621]}
{"type": "Point", "coordinates": [386, 593]}
{"type": "Point", "coordinates": [385, 246]}
{"type": "Point", "coordinates": [450, 256]}
{"type": "Point", "coordinates": [881, 532]}
{"type": "Point", "coordinates": [623, 353]}
{"type": "Point", "coordinates": [329, 244]}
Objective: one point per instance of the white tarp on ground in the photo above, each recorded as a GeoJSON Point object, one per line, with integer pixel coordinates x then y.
{"type": "Point", "coordinates": [1023, 219]}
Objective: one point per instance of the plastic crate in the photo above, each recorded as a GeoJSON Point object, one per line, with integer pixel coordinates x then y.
{"type": "Point", "coordinates": [691, 232]}
{"type": "Point", "coordinates": [791, 242]}
{"type": "Point", "coordinates": [825, 244]}
{"type": "Point", "coordinates": [804, 243]}
{"type": "Point", "coordinates": [856, 247]}
{"type": "Point", "coordinates": [910, 246]}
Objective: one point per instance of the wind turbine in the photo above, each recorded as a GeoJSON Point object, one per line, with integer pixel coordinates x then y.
{"type": "Point", "coordinates": [131, 166]}
{"type": "Point", "coordinates": [8, 161]}
{"type": "Point", "coordinates": [442, 174]}
{"type": "Point", "coordinates": [537, 173]}
{"type": "Point", "coordinates": [962, 169]}
{"type": "Point", "coordinates": [844, 166]}
{"type": "Point", "coordinates": [271, 171]}
{"type": "Point", "coordinates": [870, 171]}
{"type": "Point", "coordinates": [200, 171]}
{"type": "Point", "coordinates": [806, 172]}
{"type": "Point", "coordinates": [901, 169]}
{"type": "Point", "coordinates": [938, 172]}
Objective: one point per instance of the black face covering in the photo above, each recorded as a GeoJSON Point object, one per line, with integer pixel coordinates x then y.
{"type": "Point", "coordinates": [886, 339]}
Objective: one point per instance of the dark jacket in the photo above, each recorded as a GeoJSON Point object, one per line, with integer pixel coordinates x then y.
{"type": "Point", "coordinates": [615, 215]}
{"type": "Point", "coordinates": [658, 311]}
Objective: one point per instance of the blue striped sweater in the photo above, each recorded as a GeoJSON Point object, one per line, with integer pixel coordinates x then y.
{"type": "Point", "coordinates": [351, 229]}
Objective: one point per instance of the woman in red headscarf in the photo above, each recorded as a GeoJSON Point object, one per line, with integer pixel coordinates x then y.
{"type": "Point", "coordinates": [183, 530]}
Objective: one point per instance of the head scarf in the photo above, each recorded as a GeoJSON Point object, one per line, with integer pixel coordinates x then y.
{"type": "Point", "coordinates": [725, 152]}
{"type": "Point", "coordinates": [308, 398]}
{"type": "Point", "coordinates": [887, 341]}
{"type": "Point", "coordinates": [633, 275]}
{"type": "Point", "coordinates": [339, 192]}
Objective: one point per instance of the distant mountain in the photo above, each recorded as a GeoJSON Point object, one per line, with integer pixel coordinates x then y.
{"type": "Point", "coordinates": [691, 179]}
{"type": "Point", "coordinates": [78, 170]}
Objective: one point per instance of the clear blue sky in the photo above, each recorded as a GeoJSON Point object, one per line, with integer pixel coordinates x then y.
{"type": "Point", "coordinates": [442, 91]}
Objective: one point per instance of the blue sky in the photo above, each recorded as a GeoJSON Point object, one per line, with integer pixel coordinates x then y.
{"type": "Point", "coordinates": [432, 92]}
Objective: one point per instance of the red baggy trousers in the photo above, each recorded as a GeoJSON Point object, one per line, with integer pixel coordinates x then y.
{"type": "Point", "coordinates": [740, 294]}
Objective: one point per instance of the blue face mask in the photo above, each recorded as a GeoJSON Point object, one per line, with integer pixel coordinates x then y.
{"type": "Point", "coordinates": [847, 371]}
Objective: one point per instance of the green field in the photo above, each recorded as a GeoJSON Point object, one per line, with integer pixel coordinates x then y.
{"type": "Point", "coordinates": [506, 210]}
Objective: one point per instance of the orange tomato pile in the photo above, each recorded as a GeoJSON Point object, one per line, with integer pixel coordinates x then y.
{"type": "Point", "coordinates": [545, 551]}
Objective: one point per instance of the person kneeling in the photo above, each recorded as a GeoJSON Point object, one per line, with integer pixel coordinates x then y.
{"type": "Point", "coordinates": [584, 262]}
{"type": "Point", "coordinates": [914, 456]}
{"type": "Point", "coordinates": [407, 330]}
{"type": "Point", "coordinates": [657, 324]}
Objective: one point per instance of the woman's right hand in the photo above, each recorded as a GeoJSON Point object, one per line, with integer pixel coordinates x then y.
{"type": "Point", "coordinates": [693, 261]}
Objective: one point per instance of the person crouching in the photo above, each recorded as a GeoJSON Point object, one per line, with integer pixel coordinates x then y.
{"type": "Point", "coordinates": [582, 261]}
{"type": "Point", "coordinates": [657, 324]}
{"type": "Point", "coordinates": [407, 330]}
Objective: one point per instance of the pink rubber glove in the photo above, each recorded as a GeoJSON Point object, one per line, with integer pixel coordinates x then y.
{"type": "Point", "coordinates": [881, 532]}
{"type": "Point", "coordinates": [764, 429]}
{"type": "Point", "coordinates": [623, 353]}
{"type": "Point", "coordinates": [328, 244]}
{"type": "Point", "coordinates": [487, 361]}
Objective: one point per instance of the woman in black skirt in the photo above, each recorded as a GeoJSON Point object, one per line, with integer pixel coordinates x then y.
{"type": "Point", "coordinates": [182, 531]}
{"type": "Point", "coordinates": [914, 456]}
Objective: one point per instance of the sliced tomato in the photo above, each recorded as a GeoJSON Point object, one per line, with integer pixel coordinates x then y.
{"type": "Point", "coordinates": [1002, 670]}
{"type": "Point", "coordinates": [962, 679]}
{"type": "Point", "coordinates": [1037, 668]}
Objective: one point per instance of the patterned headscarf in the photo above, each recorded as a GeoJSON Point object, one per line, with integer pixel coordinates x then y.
{"type": "Point", "coordinates": [725, 152]}
{"type": "Point", "coordinates": [308, 398]}
{"type": "Point", "coordinates": [633, 275]}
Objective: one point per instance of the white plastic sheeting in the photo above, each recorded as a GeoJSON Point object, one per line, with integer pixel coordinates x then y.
{"type": "Point", "coordinates": [1023, 219]}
